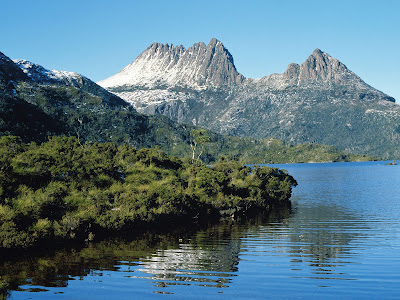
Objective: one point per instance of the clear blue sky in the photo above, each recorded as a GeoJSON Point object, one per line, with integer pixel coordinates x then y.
{"type": "Point", "coordinates": [98, 38]}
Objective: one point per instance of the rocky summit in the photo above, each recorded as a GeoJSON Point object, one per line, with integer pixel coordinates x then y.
{"type": "Point", "coordinates": [165, 65]}
{"type": "Point", "coordinates": [317, 101]}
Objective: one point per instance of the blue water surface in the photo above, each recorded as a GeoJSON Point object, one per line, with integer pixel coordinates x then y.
{"type": "Point", "coordinates": [341, 240]}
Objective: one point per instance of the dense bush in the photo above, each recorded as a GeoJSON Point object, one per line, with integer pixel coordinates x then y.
{"type": "Point", "coordinates": [63, 189]}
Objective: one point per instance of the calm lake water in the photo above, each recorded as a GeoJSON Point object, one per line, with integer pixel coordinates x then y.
{"type": "Point", "coordinates": [341, 240]}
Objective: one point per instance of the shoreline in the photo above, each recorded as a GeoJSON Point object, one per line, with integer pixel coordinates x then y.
{"type": "Point", "coordinates": [64, 191]}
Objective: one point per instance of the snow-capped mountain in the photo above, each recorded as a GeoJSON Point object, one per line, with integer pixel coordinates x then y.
{"type": "Point", "coordinates": [200, 67]}
{"type": "Point", "coordinates": [317, 101]}
{"type": "Point", "coordinates": [41, 75]}
{"type": "Point", "coordinates": [319, 69]}
{"type": "Point", "coordinates": [151, 77]}
{"type": "Point", "coordinates": [197, 67]}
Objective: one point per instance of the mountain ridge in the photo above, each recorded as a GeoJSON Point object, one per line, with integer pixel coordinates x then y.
{"type": "Point", "coordinates": [319, 67]}
{"type": "Point", "coordinates": [162, 64]}
{"type": "Point", "coordinates": [41, 75]}
{"type": "Point", "coordinates": [48, 103]}
{"type": "Point", "coordinates": [317, 101]}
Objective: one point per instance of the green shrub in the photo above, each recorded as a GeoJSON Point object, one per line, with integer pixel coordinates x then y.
{"type": "Point", "coordinates": [62, 189]}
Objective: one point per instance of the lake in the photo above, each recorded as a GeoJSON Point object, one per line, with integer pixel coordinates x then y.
{"type": "Point", "coordinates": [341, 239]}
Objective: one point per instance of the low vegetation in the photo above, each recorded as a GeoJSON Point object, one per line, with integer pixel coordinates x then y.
{"type": "Point", "coordinates": [273, 151]}
{"type": "Point", "coordinates": [64, 189]}
{"type": "Point", "coordinates": [35, 112]}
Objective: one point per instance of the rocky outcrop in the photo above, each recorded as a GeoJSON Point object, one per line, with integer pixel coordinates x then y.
{"type": "Point", "coordinates": [197, 67]}
{"type": "Point", "coordinates": [321, 66]}
{"type": "Point", "coordinates": [318, 71]}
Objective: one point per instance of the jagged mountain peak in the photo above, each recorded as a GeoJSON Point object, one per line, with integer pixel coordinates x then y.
{"type": "Point", "coordinates": [213, 42]}
{"type": "Point", "coordinates": [157, 48]}
{"type": "Point", "coordinates": [319, 70]}
{"type": "Point", "coordinates": [321, 66]}
{"type": "Point", "coordinates": [292, 71]}
{"type": "Point", "coordinates": [212, 65]}
{"type": "Point", "coordinates": [317, 51]}
{"type": "Point", "coordinates": [320, 55]}
{"type": "Point", "coordinates": [201, 66]}
{"type": "Point", "coordinates": [316, 101]}
{"type": "Point", "coordinates": [220, 48]}
{"type": "Point", "coordinates": [197, 67]}
{"type": "Point", "coordinates": [199, 45]}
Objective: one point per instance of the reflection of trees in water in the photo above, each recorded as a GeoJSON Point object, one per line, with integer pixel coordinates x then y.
{"type": "Point", "coordinates": [206, 257]}
{"type": "Point", "coordinates": [317, 239]}
{"type": "Point", "coordinates": [4, 293]}
{"type": "Point", "coordinates": [56, 269]}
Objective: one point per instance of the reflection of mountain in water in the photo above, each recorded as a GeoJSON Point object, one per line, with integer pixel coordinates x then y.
{"type": "Point", "coordinates": [209, 258]}
{"type": "Point", "coordinates": [318, 238]}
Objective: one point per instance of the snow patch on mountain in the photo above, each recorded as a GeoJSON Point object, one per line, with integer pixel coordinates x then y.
{"type": "Point", "coordinates": [43, 75]}
{"type": "Point", "coordinates": [198, 67]}
{"type": "Point", "coordinates": [143, 98]}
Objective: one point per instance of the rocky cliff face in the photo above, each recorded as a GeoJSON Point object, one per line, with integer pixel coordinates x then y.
{"type": "Point", "coordinates": [317, 101]}
{"type": "Point", "coordinates": [318, 71]}
{"type": "Point", "coordinates": [320, 66]}
{"type": "Point", "coordinates": [197, 67]}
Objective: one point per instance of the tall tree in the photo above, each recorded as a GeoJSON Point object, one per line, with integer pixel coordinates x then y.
{"type": "Point", "coordinates": [200, 139]}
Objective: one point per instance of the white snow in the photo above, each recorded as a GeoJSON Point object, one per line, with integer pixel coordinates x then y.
{"type": "Point", "coordinates": [141, 99]}
{"type": "Point", "coordinates": [39, 73]}
{"type": "Point", "coordinates": [171, 67]}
